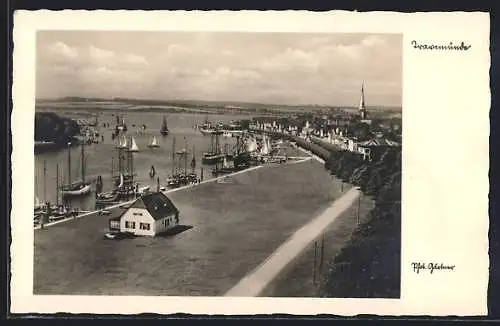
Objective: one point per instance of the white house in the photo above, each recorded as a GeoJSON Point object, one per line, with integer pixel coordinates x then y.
{"type": "Point", "coordinates": [148, 215]}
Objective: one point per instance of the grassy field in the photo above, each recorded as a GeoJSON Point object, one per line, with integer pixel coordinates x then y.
{"type": "Point", "coordinates": [236, 225]}
{"type": "Point", "coordinates": [304, 277]}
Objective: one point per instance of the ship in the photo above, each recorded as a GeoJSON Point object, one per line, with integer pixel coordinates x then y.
{"type": "Point", "coordinates": [153, 143]}
{"type": "Point", "coordinates": [80, 187]}
{"type": "Point", "coordinates": [206, 128]}
{"type": "Point", "coordinates": [213, 155]}
{"type": "Point", "coordinates": [164, 127]}
{"type": "Point", "coordinates": [121, 126]}
{"type": "Point", "coordinates": [133, 146]}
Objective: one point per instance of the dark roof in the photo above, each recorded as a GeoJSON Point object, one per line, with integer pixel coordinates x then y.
{"type": "Point", "coordinates": [157, 204]}
{"type": "Point", "coordinates": [379, 142]}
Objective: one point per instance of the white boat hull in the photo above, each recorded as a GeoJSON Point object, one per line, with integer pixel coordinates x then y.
{"type": "Point", "coordinates": [80, 192]}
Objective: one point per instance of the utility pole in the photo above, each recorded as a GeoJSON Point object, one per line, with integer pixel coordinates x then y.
{"type": "Point", "coordinates": [322, 253]}
{"type": "Point", "coordinates": [359, 207]}
{"type": "Point", "coordinates": [315, 261]}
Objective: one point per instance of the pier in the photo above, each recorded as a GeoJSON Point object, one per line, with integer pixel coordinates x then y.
{"type": "Point", "coordinates": [123, 204]}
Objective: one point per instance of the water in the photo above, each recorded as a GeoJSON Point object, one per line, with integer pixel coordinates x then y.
{"type": "Point", "coordinates": [99, 157]}
{"type": "Point", "coordinates": [236, 226]}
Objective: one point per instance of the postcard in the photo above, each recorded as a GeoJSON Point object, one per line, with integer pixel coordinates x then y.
{"type": "Point", "coordinates": [216, 162]}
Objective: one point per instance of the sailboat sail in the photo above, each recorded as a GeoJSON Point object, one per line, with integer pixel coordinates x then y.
{"type": "Point", "coordinates": [121, 181]}
{"type": "Point", "coordinates": [265, 149]}
{"type": "Point", "coordinates": [124, 143]}
{"type": "Point", "coordinates": [225, 163]}
{"type": "Point", "coordinates": [252, 146]}
{"type": "Point", "coordinates": [164, 127]}
{"type": "Point", "coordinates": [134, 147]}
{"type": "Point", "coordinates": [193, 162]}
{"type": "Point", "coordinates": [153, 143]}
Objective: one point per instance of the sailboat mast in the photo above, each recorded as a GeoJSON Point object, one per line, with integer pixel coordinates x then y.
{"type": "Point", "coordinates": [217, 145]}
{"type": "Point", "coordinates": [83, 162]}
{"type": "Point", "coordinates": [185, 156]}
{"type": "Point", "coordinates": [131, 157]}
{"type": "Point", "coordinates": [57, 184]}
{"type": "Point", "coordinates": [193, 162]}
{"type": "Point", "coordinates": [173, 156]}
{"type": "Point", "coordinates": [69, 163]}
{"type": "Point", "coordinates": [120, 167]}
{"type": "Point", "coordinates": [44, 180]}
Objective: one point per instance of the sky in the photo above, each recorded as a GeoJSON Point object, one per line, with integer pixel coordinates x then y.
{"type": "Point", "coordinates": [277, 68]}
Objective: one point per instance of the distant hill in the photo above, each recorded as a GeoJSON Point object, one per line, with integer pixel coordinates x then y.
{"type": "Point", "coordinates": [207, 104]}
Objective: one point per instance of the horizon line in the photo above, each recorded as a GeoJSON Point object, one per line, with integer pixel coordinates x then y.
{"type": "Point", "coordinates": [211, 101]}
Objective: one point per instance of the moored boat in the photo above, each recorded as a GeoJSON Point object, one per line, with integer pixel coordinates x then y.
{"type": "Point", "coordinates": [164, 127]}
{"type": "Point", "coordinates": [153, 143]}
{"type": "Point", "coordinates": [78, 188]}
{"type": "Point", "coordinates": [133, 146]}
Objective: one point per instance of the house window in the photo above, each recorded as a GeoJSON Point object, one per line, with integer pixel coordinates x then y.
{"type": "Point", "coordinates": [114, 225]}
{"type": "Point", "coordinates": [137, 214]}
{"type": "Point", "coordinates": [168, 222]}
{"type": "Point", "coordinates": [144, 226]}
{"type": "Point", "coordinates": [129, 225]}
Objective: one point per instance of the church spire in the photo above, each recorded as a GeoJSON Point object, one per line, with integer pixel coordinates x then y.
{"type": "Point", "coordinates": [362, 100]}
{"type": "Point", "coordinates": [362, 108]}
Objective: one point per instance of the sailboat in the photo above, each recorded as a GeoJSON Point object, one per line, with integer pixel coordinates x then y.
{"type": "Point", "coordinates": [122, 143]}
{"type": "Point", "coordinates": [193, 177]}
{"type": "Point", "coordinates": [164, 127]}
{"type": "Point", "coordinates": [265, 147]}
{"type": "Point", "coordinates": [214, 155]}
{"type": "Point", "coordinates": [133, 146]}
{"type": "Point", "coordinates": [121, 126]}
{"type": "Point", "coordinates": [38, 205]}
{"type": "Point", "coordinates": [173, 179]}
{"type": "Point", "coordinates": [78, 188]}
{"type": "Point", "coordinates": [224, 169]}
{"type": "Point", "coordinates": [153, 143]}
{"type": "Point", "coordinates": [251, 145]}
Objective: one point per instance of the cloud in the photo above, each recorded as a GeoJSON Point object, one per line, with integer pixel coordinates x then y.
{"type": "Point", "coordinates": [177, 49]}
{"type": "Point", "coordinates": [134, 59]}
{"type": "Point", "coordinates": [291, 60]}
{"type": "Point", "coordinates": [61, 49]}
{"type": "Point", "coordinates": [373, 41]}
{"type": "Point", "coordinates": [100, 54]}
{"type": "Point", "coordinates": [287, 68]}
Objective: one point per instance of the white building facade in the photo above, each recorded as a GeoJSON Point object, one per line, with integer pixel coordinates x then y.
{"type": "Point", "coordinates": [149, 215]}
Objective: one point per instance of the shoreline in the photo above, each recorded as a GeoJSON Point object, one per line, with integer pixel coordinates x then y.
{"type": "Point", "coordinates": [120, 205]}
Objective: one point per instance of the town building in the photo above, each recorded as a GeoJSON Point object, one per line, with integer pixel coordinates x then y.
{"type": "Point", "coordinates": [148, 215]}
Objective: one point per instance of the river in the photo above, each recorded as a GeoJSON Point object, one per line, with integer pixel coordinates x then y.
{"type": "Point", "coordinates": [99, 157]}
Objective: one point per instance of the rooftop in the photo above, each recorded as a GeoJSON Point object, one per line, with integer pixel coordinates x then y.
{"type": "Point", "coordinates": [157, 204]}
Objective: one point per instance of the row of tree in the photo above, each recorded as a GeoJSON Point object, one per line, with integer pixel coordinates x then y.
{"type": "Point", "coordinates": [54, 128]}
{"type": "Point", "coordinates": [369, 265]}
